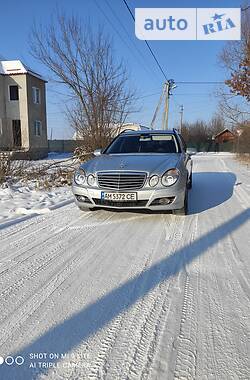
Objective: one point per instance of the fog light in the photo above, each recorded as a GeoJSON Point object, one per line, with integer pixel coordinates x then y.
{"type": "Point", "coordinates": [164, 201]}
{"type": "Point", "coordinates": [81, 198]}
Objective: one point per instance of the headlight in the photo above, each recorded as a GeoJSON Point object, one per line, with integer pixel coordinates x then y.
{"type": "Point", "coordinates": [153, 180]}
{"type": "Point", "coordinates": [91, 180]}
{"type": "Point", "coordinates": [79, 177]}
{"type": "Point", "coordinates": [170, 177]}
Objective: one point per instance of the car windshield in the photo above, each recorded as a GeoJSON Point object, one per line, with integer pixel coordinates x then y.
{"type": "Point", "coordinates": [144, 143]}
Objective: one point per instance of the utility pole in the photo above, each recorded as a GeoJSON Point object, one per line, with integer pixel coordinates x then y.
{"type": "Point", "coordinates": [169, 86]}
{"type": "Point", "coordinates": [166, 106]}
{"type": "Point", "coordinates": [181, 112]}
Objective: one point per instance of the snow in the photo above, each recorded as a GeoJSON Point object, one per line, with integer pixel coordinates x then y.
{"type": "Point", "coordinates": [19, 199]}
{"type": "Point", "coordinates": [132, 295]}
{"type": "Point", "coordinates": [16, 67]}
{"type": "Point", "coordinates": [58, 156]}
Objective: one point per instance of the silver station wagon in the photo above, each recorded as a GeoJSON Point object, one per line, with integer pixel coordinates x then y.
{"type": "Point", "coordinates": [138, 170]}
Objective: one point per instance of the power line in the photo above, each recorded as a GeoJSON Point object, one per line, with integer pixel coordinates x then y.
{"type": "Point", "coordinates": [146, 42]}
{"type": "Point", "coordinates": [110, 22]}
{"type": "Point", "coordinates": [200, 82]}
{"type": "Point", "coordinates": [142, 59]}
{"type": "Point", "coordinates": [140, 55]}
{"type": "Point", "coordinates": [193, 94]}
{"type": "Point", "coordinates": [137, 98]}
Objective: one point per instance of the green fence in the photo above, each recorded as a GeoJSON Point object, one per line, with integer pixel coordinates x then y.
{"type": "Point", "coordinates": [213, 147]}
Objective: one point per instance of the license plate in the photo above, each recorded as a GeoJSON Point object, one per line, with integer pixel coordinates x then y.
{"type": "Point", "coordinates": [119, 196]}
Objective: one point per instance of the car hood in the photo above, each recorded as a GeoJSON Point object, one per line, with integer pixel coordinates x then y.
{"type": "Point", "coordinates": [151, 163]}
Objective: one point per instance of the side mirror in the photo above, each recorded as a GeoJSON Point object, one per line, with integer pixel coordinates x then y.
{"type": "Point", "coordinates": [97, 152]}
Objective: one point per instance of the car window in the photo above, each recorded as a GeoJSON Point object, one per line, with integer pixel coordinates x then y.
{"type": "Point", "coordinates": [145, 143]}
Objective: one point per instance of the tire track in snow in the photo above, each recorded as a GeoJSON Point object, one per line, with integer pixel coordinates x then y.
{"type": "Point", "coordinates": [45, 291]}
{"type": "Point", "coordinates": [15, 228]}
{"type": "Point", "coordinates": [134, 346]}
{"type": "Point", "coordinates": [242, 195]}
{"type": "Point", "coordinates": [91, 240]}
{"type": "Point", "coordinates": [107, 343]}
{"type": "Point", "coordinates": [30, 257]}
{"type": "Point", "coordinates": [35, 269]}
{"type": "Point", "coordinates": [185, 344]}
{"type": "Point", "coordinates": [43, 239]}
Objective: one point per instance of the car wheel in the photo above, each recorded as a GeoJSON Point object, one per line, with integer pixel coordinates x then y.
{"type": "Point", "coordinates": [190, 181]}
{"type": "Point", "coordinates": [184, 209]}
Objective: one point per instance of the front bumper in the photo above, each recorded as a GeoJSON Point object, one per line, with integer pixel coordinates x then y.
{"type": "Point", "coordinates": [146, 198]}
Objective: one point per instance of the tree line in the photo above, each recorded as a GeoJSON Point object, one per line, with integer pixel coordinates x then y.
{"type": "Point", "coordinates": [201, 135]}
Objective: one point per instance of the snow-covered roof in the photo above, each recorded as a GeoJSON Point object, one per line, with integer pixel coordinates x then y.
{"type": "Point", "coordinates": [17, 67]}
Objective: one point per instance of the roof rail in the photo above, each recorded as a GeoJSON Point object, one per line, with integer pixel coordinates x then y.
{"type": "Point", "coordinates": [126, 130]}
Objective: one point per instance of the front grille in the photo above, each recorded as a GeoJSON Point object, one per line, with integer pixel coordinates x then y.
{"type": "Point", "coordinates": [105, 202]}
{"type": "Point", "coordinates": [121, 180]}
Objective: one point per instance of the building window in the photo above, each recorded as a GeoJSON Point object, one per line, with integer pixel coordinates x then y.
{"type": "Point", "coordinates": [13, 91]}
{"type": "Point", "coordinates": [36, 95]}
{"type": "Point", "coordinates": [38, 128]}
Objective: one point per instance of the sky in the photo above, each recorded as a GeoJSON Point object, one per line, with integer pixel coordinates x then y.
{"type": "Point", "coordinates": [181, 60]}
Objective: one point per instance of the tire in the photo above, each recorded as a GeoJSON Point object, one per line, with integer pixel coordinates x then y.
{"type": "Point", "coordinates": [190, 181]}
{"type": "Point", "coordinates": [184, 209]}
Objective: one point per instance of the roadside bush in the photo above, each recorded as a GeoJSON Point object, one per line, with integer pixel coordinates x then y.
{"type": "Point", "coordinates": [81, 154]}
{"type": "Point", "coordinates": [10, 169]}
{"type": "Point", "coordinates": [43, 175]}
{"type": "Point", "coordinates": [4, 167]}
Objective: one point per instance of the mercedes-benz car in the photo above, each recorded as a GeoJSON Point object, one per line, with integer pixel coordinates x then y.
{"type": "Point", "coordinates": [137, 170]}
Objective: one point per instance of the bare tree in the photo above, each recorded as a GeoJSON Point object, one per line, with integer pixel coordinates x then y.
{"type": "Point", "coordinates": [84, 62]}
{"type": "Point", "coordinates": [195, 134]}
{"type": "Point", "coordinates": [234, 108]}
{"type": "Point", "coordinates": [235, 58]}
{"type": "Point", "coordinates": [200, 133]}
{"type": "Point", "coordinates": [216, 125]}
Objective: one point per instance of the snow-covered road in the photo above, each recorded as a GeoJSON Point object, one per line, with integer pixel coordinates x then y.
{"type": "Point", "coordinates": [132, 295]}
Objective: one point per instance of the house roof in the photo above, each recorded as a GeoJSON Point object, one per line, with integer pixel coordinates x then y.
{"type": "Point", "coordinates": [17, 67]}
{"type": "Point", "coordinates": [224, 130]}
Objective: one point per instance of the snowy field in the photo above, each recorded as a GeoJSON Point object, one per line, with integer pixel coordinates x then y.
{"type": "Point", "coordinates": [24, 199]}
{"type": "Point", "coordinates": [132, 295]}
